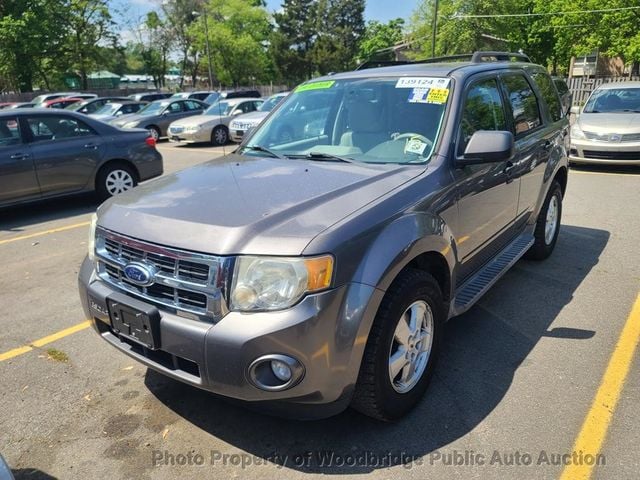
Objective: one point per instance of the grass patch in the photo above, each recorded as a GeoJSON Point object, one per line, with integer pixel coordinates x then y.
{"type": "Point", "coordinates": [57, 355]}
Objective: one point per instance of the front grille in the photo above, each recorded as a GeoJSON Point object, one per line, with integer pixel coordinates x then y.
{"type": "Point", "coordinates": [184, 281]}
{"type": "Point", "coordinates": [612, 137]}
{"type": "Point", "coordinates": [611, 155]}
{"type": "Point", "coordinates": [630, 137]}
{"type": "Point", "coordinates": [176, 129]}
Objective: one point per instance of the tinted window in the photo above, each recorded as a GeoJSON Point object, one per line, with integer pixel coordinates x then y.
{"type": "Point", "coordinates": [175, 107]}
{"type": "Point", "coordinates": [524, 104]}
{"type": "Point", "coordinates": [9, 131]}
{"type": "Point", "coordinates": [57, 128]}
{"type": "Point", "coordinates": [192, 105]}
{"type": "Point", "coordinates": [549, 94]}
{"type": "Point", "coordinates": [483, 110]}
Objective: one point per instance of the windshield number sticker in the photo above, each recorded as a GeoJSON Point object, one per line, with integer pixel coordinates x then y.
{"type": "Point", "coordinates": [422, 82]}
{"type": "Point", "coordinates": [415, 145]}
{"type": "Point", "coordinates": [315, 86]}
{"type": "Point", "coordinates": [438, 95]}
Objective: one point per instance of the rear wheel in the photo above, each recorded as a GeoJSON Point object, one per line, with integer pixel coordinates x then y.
{"type": "Point", "coordinates": [547, 225]}
{"type": "Point", "coordinates": [402, 347]}
{"type": "Point", "coordinates": [220, 136]}
{"type": "Point", "coordinates": [113, 179]}
{"type": "Point", "coordinates": [154, 132]}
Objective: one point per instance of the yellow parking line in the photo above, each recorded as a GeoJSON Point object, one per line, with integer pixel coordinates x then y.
{"type": "Point", "coordinates": [595, 426]}
{"type": "Point", "coordinates": [44, 341]}
{"type": "Point", "coordinates": [45, 232]}
{"type": "Point", "coordinates": [586, 172]}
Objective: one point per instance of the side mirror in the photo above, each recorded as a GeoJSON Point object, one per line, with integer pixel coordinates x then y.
{"type": "Point", "coordinates": [575, 110]}
{"type": "Point", "coordinates": [118, 113]}
{"type": "Point", "coordinates": [236, 112]}
{"type": "Point", "coordinates": [486, 146]}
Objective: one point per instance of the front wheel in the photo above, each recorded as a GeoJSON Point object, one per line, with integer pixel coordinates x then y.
{"type": "Point", "coordinates": [402, 347]}
{"type": "Point", "coordinates": [219, 136]}
{"type": "Point", "coordinates": [547, 225]}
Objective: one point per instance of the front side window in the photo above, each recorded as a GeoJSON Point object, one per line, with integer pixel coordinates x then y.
{"type": "Point", "coordinates": [57, 128]}
{"type": "Point", "coordinates": [483, 110]}
{"type": "Point", "coordinates": [524, 104]}
{"type": "Point", "coordinates": [9, 132]}
{"type": "Point", "coordinates": [219, 108]}
{"type": "Point", "coordinates": [373, 120]}
{"type": "Point", "coordinates": [549, 93]}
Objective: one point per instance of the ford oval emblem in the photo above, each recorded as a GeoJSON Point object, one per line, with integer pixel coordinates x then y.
{"type": "Point", "coordinates": [140, 273]}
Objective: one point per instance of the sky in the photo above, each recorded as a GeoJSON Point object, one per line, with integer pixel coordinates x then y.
{"type": "Point", "coordinates": [382, 10]}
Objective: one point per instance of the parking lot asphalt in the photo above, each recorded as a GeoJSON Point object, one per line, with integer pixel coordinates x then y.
{"type": "Point", "coordinates": [534, 371]}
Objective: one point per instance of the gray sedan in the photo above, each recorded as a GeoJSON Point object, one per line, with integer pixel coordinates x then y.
{"type": "Point", "coordinates": [47, 154]}
{"type": "Point", "coordinates": [157, 116]}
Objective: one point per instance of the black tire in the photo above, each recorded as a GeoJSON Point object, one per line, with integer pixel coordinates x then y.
{"type": "Point", "coordinates": [543, 247]}
{"type": "Point", "coordinates": [103, 189]}
{"type": "Point", "coordinates": [220, 136]}
{"type": "Point", "coordinates": [374, 394]}
{"type": "Point", "coordinates": [154, 132]}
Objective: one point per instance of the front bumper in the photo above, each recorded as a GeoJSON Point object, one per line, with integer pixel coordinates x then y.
{"type": "Point", "coordinates": [202, 135]}
{"type": "Point", "coordinates": [611, 153]}
{"type": "Point", "coordinates": [236, 134]}
{"type": "Point", "coordinates": [323, 332]}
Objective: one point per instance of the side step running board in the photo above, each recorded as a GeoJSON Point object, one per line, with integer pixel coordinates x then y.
{"type": "Point", "coordinates": [471, 291]}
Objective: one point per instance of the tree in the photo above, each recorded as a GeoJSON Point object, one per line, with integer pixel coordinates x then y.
{"type": "Point", "coordinates": [179, 18]}
{"type": "Point", "coordinates": [294, 38]}
{"type": "Point", "coordinates": [379, 38]}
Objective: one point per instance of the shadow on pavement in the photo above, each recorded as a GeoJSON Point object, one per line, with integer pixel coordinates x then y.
{"type": "Point", "coordinates": [13, 219]}
{"type": "Point", "coordinates": [483, 349]}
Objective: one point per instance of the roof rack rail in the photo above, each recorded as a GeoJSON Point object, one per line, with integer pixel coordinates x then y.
{"type": "Point", "coordinates": [476, 57]}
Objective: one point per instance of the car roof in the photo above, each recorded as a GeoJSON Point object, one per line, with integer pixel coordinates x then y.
{"type": "Point", "coordinates": [611, 85]}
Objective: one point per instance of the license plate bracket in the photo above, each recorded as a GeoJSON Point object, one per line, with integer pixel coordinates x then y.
{"type": "Point", "coordinates": [135, 320]}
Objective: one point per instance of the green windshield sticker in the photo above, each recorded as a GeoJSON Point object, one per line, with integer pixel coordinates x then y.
{"type": "Point", "coordinates": [315, 86]}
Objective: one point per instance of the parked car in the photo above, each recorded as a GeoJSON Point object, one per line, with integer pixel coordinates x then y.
{"type": "Point", "coordinates": [213, 125]}
{"type": "Point", "coordinates": [22, 105]}
{"type": "Point", "coordinates": [4, 105]}
{"type": "Point", "coordinates": [149, 96]}
{"type": "Point", "coordinates": [52, 96]}
{"type": "Point", "coordinates": [315, 273]}
{"type": "Point", "coordinates": [5, 471]}
{"type": "Point", "coordinates": [113, 110]}
{"type": "Point", "coordinates": [196, 95]}
{"type": "Point", "coordinates": [49, 153]}
{"type": "Point", "coordinates": [157, 116]}
{"type": "Point", "coordinates": [243, 123]}
{"type": "Point", "coordinates": [608, 128]}
{"type": "Point", "coordinates": [60, 103]}
{"type": "Point", "coordinates": [92, 105]}
{"type": "Point", "coordinates": [228, 95]}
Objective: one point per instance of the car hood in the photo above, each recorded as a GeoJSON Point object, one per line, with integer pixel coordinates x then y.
{"type": "Point", "coordinates": [248, 205]}
{"type": "Point", "coordinates": [197, 119]}
{"type": "Point", "coordinates": [253, 117]}
{"type": "Point", "coordinates": [610, 122]}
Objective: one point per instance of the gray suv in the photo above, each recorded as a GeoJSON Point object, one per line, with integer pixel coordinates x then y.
{"type": "Point", "coordinates": [314, 272]}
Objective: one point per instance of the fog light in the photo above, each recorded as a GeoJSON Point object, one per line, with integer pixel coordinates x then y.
{"type": "Point", "coordinates": [281, 370]}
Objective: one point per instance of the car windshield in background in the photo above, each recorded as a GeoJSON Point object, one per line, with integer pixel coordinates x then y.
{"type": "Point", "coordinates": [76, 106]}
{"type": "Point", "coordinates": [212, 98]}
{"type": "Point", "coordinates": [271, 103]}
{"type": "Point", "coordinates": [154, 108]}
{"type": "Point", "coordinates": [373, 120]}
{"type": "Point", "coordinates": [608, 100]}
{"type": "Point", "coordinates": [108, 109]}
{"type": "Point", "coordinates": [219, 108]}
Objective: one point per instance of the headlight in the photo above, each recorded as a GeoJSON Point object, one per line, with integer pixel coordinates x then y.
{"type": "Point", "coordinates": [576, 132]}
{"type": "Point", "coordinates": [92, 237]}
{"type": "Point", "coordinates": [276, 283]}
{"type": "Point", "coordinates": [130, 125]}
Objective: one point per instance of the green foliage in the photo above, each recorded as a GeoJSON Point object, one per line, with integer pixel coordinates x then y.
{"type": "Point", "coordinates": [378, 37]}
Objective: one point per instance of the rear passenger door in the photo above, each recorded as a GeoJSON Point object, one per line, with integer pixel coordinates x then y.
{"type": "Point", "coordinates": [65, 150]}
{"type": "Point", "coordinates": [534, 138]}
{"type": "Point", "coordinates": [18, 179]}
{"type": "Point", "coordinates": [487, 193]}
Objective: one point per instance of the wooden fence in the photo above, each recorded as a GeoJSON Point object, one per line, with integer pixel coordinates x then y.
{"type": "Point", "coordinates": [581, 87]}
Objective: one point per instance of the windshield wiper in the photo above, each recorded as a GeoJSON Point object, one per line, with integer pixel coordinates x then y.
{"type": "Point", "coordinates": [322, 157]}
{"type": "Point", "coordinates": [260, 148]}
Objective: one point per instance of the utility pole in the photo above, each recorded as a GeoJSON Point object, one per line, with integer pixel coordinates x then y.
{"type": "Point", "coordinates": [206, 36]}
{"type": "Point", "coordinates": [434, 29]}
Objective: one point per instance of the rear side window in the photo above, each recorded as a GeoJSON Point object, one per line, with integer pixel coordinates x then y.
{"type": "Point", "coordinates": [549, 93]}
{"type": "Point", "coordinates": [483, 110]}
{"type": "Point", "coordinates": [524, 104]}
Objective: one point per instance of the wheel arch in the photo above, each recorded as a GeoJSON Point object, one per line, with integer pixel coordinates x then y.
{"type": "Point", "coordinates": [112, 162]}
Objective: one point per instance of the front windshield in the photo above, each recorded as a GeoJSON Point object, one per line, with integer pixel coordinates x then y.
{"type": "Point", "coordinates": [219, 108]}
{"type": "Point", "coordinates": [154, 108]}
{"type": "Point", "coordinates": [373, 120]}
{"type": "Point", "coordinates": [271, 103]}
{"type": "Point", "coordinates": [108, 109]}
{"type": "Point", "coordinates": [212, 98]}
{"type": "Point", "coordinates": [618, 100]}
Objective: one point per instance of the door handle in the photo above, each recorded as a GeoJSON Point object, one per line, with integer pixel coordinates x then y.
{"type": "Point", "coordinates": [508, 168]}
{"type": "Point", "coordinates": [547, 145]}
{"type": "Point", "coordinates": [19, 156]}
{"type": "Point", "coordinates": [92, 146]}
